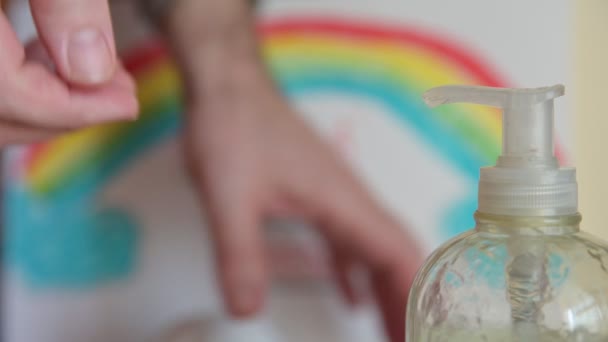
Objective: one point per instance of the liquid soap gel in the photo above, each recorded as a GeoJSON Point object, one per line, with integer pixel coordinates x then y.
{"type": "Point", "coordinates": [525, 272]}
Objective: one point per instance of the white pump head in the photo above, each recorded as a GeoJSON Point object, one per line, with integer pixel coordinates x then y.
{"type": "Point", "coordinates": [526, 180]}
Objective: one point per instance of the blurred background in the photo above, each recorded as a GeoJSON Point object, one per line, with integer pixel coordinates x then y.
{"type": "Point", "coordinates": [93, 245]}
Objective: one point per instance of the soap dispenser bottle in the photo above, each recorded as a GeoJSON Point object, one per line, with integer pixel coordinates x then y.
{"type": "Point", "coordinates": [525, 272]}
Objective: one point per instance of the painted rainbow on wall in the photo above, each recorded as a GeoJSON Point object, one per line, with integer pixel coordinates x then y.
{"type": "Point", "coordinates": [54, 186]}
{"type": "Point", "coordinates": [390, 65]}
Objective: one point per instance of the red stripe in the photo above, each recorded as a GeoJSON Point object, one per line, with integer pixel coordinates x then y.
{"type": "Point", "coordinates": [459, 55]}
{"type": "Point", "coordinates": [33, 154]}
{"type": "Point", "coordinates": [155, 51]}
{"type": "Point", "coordinates": [485, 74]}
{"type": "Point", "coordinates": [145, 56]}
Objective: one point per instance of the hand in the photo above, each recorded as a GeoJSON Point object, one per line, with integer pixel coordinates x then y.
{"type": "Point", "coordinates": [68, 79]}
{"type": "Point", "coordinates": [253, 158]}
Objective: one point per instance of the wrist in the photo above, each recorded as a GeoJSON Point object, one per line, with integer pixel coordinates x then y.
{"type": "Point", "coordinates": [208, 20]}
{"type": "Point", "coordinates": [213, 21]}
{"type": "Point", "coordinates": [219, 50]}
{"type": "Point", "coordinates": [214, 40]}
{"type": "Point", "coordinates": [236, 80]}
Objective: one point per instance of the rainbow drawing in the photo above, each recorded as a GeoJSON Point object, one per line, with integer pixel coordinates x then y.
{"type": "Point", "coordinates": [392, 65]}
{"type": "Point", "coordinates": [389, 65]}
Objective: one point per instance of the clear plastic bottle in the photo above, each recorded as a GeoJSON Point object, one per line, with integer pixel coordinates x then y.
{"type": "Point", "coordinates": [526, 272]}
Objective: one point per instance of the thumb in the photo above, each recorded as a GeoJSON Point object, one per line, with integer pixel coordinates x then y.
{"type": "Point", "coordinates": [78, 35]}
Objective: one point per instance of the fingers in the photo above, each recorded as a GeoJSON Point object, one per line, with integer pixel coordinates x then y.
{"type": "Point", "coordinates": [78, 35]}
{"type": "Point", "coordinates": [31, 118]}
{"type": "Point", "coordinates": [11, 52]}
{"type": "Point", "coordinates": [240, 256]}
{"type": "Point", "coordinates": [345, 283]}
{"type": "Point", "coordinates": [34, 96]}
{"type": "Point", "coordinates": [389, 254]}
{"type": "Point", "coordinates": [34, 100]}
{"type": "Point", "coordinates": [354, 222]}
{"type": "Point", "coordinates": [344, 267]}
{"type": "Point", "coordinates": [391, 297]}
{"type": "Point", "coordinates": [14, 133]}
{"type": "Point", "coordinates": [36, 52]}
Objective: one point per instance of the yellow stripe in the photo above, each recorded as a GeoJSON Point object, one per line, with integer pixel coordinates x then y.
{"type": "Point", "coordinates": [64, 152]}
{"type": "Point", "coordinates": [407, 63]}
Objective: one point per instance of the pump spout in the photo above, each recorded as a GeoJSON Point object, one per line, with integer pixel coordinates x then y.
{"type": "Point", "coordinates": [489, 96]}
{"type": "Point", "coordinates": [527, 119]}
{"type": "Point", "coordinates": [527, 179]}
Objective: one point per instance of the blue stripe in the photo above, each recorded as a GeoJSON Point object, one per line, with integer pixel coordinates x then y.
{"type": "Point", "coordinates": [401, 103]}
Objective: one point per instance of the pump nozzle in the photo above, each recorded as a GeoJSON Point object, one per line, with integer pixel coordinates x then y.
{"type": "Point", "coordinates": [527, 119]}
{"type": "Point", "coordinates": [489, 96]}
{"type": "Point", "coordinates": [527, 178]}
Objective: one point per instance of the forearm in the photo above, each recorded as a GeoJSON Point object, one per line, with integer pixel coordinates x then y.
{"type": "Point", "coordinates": [211, 20]}
{"type": "Point", "coordinates": [214, 41]}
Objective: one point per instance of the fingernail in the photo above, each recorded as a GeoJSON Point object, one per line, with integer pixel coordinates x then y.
{"type": "Point", "coordinates": [89, 56]}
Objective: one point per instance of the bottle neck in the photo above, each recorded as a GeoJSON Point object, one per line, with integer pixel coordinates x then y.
{"type": "Point", "coordinates": [527, 225]}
